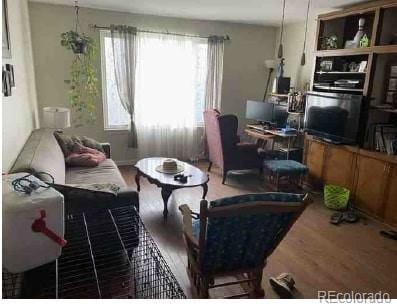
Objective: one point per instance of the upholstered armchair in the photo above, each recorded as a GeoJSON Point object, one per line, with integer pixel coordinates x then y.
{"type": "Point", "coordinates": [235, 235]}
{"type": "Point", "coordinates": [224, 147]}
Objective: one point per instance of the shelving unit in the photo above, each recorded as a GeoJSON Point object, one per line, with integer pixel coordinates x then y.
{"type": "Point", "coordinates": [381, 28]}
{"type": "Point", "coordinates": [351, 166]}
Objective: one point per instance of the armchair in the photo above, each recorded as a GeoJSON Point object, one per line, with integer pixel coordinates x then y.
{"type": "Point", "coordinates": [235, 235]}
{"type": "Point", "coordinates": [224, 147]}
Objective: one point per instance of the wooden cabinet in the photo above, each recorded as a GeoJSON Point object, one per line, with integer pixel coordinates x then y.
{"type": "Point", "coordinates": [339, 167]}
{"type": "Point", "coordinates": [370, 185]}
{"type": "Point", "coordinates": [371, 177]}
{"type": "Point", "coordinates": [391, 197]}
{"type": "Point", "coordinates": [315, 159]}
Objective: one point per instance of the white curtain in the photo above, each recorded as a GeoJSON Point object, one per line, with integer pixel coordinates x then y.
{"type": "Point", "coordinates": [170, 94]}
{"type": "Point", "coordinates": [215, 73]}
{"type": "Point", "coordinates": [124, 53]}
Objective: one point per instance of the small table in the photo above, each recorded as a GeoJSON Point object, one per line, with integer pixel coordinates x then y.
{"type": "Point", "coordinates": [265, 134]}
{"type": "Point", "coordinates": [147, 168]}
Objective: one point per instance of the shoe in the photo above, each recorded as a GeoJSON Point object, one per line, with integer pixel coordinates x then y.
{"type": "Point", "coordinates": [283, 285]}
{"type": "Point", "coordinates": [391, 234]}
{"type": "Point", "coordinates": [350, 217]}
{"type": "Point", "coordinates": [336, 218]}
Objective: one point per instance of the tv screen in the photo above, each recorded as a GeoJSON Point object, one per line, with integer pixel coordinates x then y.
{"type": "Point", "coordinates": [333, 116]}
{"type": "Point", "coordinates": [260, 111]}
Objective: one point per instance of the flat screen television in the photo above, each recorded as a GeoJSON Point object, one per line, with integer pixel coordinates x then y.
{"type": "Point", "coordinates": [333, 117]}
{"type": "Point", "coordinates": [260, 111]}
{"type": "Point", "coordinates": [266, 112]}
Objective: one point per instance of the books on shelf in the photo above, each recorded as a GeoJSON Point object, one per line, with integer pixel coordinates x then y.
{"type": "Point", "coordinates": [385, 138]}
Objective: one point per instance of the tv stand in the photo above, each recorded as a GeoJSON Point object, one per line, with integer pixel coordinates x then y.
{"type": "Point", "coordinates": [327, 140]}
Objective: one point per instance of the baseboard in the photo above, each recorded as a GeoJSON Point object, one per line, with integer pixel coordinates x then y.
{"type": "Point", "coordinates": [126, 162]}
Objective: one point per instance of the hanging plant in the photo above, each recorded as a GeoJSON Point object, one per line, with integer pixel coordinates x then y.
{"type": "Point", "coordinates": [83, 82]}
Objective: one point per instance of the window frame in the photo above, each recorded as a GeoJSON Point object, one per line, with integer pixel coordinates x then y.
{"type": "Point", "coordinates": [106, 126]}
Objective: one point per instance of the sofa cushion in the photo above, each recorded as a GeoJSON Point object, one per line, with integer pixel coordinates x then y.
{"type": "Point", "coordinates": [106, 172]}
{"type": "Point", "coordinates": [41, 153]}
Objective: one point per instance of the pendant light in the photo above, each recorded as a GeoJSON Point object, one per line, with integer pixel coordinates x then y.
{"type": "Point", "coordinates": [303, 58]}
{"type": "Point", "coordinates": [280, 47]}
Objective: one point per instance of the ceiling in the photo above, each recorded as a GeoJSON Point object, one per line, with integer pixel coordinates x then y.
{"type": "Point", "coordinates": [265, 12]}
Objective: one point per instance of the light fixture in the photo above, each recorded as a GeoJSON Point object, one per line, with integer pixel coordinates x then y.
{"type": "Point", "coordinates": [271, 65]}
{"type": "Point", "coordinates": [303, 58]}
{"type": "Point", "coordinates": [56, 118]}
{"type": "Point", "coordinates": [280, 47]}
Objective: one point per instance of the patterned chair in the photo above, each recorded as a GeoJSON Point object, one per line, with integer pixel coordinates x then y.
{"type": "Point", "coordinates": [235, 235]}
{"type": "Point", "coordinates": [224, 147]}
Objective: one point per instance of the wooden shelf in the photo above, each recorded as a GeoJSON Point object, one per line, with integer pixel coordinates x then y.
{"type": "Point", "coordinates": [343, 52]}
{"type": "Point", "coordinates": [342, 72]}
{"type": "Point", "coordinates": [341, 89]}
{"type": "Point", "coordinates": [385, 49]}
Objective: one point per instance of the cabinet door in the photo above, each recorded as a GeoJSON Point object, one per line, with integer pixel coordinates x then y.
{"type": "Point", "coordinates": [339, 167]}
{"type": "Point", "coordinates": [391, 198]}
{"type": "Point", "coordinates": [315, 159]}
{"type": "Point", "coordinates": [370, 185]}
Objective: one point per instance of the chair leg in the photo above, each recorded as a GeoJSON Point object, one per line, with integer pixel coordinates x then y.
{"type": "Point", "coordinates": [261, 170]}
{"type": "Point", "coordinates": [224, 176]}
{"type": "Point", "coordinates": [257, 290]}
{"type": "Point", "coordinates": [209, 166]}
{"type": "Point", "coordinates": [203, 291]}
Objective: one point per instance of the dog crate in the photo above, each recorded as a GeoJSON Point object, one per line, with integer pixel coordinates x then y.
{"type": "Point", "coordinates": [109, 254]}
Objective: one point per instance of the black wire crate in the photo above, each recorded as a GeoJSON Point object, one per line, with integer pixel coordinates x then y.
{"type": "Point", "coordinates": [109, 254]}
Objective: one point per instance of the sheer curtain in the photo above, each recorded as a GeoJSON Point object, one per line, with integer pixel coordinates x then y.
{"type": "Point", "coordinates": [214, 73]}
{"type": "Point", "coordinates": [170, 94]}
{"type": "Point", "coordinates": [124, 54]}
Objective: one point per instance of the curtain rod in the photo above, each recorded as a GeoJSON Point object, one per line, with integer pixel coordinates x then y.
{"type": "Point", "coordinates": [225, 37]}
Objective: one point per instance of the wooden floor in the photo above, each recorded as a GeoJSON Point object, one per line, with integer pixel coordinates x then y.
{"type": "Point", "coordinates": [320, 256]}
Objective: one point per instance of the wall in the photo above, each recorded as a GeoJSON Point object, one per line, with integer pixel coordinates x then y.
{"type": "Point", "coordinates": [293, 38]}
{"type": "Point", "coordinates": [244, 72]}
{"type": "Point", "coordinates": [19, 110]}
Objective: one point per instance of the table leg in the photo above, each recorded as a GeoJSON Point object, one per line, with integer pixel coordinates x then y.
{"type": "Point", "coordinates": [288, 147]}
{"type": "Point", "coordinates": [165, 194]}
{"type": "Point", "coordinates": [137, 177]}
{"type": "Point", "coordinates": [205, 190]}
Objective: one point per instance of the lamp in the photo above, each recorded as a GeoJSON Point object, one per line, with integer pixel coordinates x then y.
{"type": "Point", "coordinates": [56, 118]}
{"type": "Point", "coordinates": [271, 65]}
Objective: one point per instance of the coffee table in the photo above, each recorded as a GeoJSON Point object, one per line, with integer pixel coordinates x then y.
{"type": "Point", "coordinates": [147, 168]}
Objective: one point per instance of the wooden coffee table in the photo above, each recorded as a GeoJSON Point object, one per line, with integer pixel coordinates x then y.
{"type": "Point", "coordinates": [147, 168]}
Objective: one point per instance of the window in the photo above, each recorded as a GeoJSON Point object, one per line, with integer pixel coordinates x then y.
{"type": "Point", "coordinates": [170, 82]}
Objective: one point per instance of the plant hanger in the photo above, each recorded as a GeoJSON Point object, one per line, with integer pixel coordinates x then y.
{"type": "Point", "coordinates": [280, 47]}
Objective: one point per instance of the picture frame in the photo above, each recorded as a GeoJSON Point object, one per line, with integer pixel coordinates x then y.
{"type": "Point", "coordinates": [6, 33]}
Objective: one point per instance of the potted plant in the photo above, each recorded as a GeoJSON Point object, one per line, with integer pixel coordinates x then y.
{"type": "Point", "coordinates": [75, 41]}
{"type": "Point", "coordinates": [83, 83]}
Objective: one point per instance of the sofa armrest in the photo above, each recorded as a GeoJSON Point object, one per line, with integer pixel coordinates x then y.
{"type": "Point", "coordinates": [106, 149]}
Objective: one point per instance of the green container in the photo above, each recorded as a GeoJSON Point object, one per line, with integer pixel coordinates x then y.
{"type": "Point", "coordinates": [336, 197]}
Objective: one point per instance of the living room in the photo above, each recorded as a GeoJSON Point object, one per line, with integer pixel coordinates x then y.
{"type": "Point", "coordinates": [211, 149]}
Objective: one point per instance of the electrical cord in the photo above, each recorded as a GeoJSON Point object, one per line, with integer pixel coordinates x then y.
{"type": "Point", "coordinates": [27, 186]}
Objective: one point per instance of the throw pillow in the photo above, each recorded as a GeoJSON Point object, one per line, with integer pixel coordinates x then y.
{"type": "Point", "coordinates": [66, 142]}
{"type": "Point", "coordinates": [84, 156]}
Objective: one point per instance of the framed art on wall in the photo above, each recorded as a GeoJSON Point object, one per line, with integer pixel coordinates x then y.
{"type": "Point", "coordinates": [6, 32]}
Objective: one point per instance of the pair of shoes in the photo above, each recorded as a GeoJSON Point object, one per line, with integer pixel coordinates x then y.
{"type": "Point", "coordinates": [348, 216]}
{"type": "Point", "coordinates": [283, 285]}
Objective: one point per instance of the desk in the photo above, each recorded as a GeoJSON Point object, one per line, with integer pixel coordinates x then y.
{"type": "Point", "coordinates": [264, 135]}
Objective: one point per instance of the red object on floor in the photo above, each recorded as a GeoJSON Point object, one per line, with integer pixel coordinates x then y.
{"type": "Point", "coordinates": [39, 225]}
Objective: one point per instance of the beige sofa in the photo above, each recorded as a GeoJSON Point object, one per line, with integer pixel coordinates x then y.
{"type": "Point", "coordinates": [41, 153]}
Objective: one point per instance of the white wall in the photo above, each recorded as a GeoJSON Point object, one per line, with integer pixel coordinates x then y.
{"type": "Point", "coordinates": [244, 74]}
{"type": "Point", "coordinates": [293, 39]}
{"type": "Point", "coordinates": [18, 110]}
